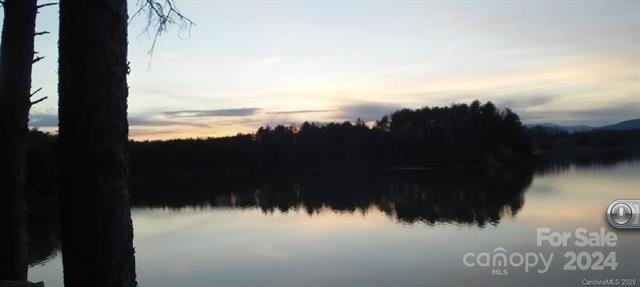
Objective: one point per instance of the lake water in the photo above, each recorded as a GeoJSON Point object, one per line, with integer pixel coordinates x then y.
{"type": "Point", "coordinates": [392, 229]}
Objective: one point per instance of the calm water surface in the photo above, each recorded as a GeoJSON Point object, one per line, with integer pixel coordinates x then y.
{"type": "Point", "coordinates": [406, 229]}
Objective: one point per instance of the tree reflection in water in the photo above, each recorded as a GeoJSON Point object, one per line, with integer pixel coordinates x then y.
{"type": "Point", "coordinates": [474, 198]}
{"type": "Point", "coordinates": [477, 197]}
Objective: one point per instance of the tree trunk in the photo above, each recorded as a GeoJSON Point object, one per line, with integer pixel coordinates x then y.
{"type": "Point", "coordinates": [16, 59]}
{"type": "Point", "coordinates": [96, 228]}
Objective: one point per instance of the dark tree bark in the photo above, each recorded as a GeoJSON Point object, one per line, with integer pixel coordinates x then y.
{"type": "Point", "coordinates": [16, 59]}
{"type": "Point", "coordinates": [96, 228]}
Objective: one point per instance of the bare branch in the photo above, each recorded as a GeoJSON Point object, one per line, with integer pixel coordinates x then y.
{"type": "Point", "coordinates": [161, 14]}
{"type": "Point", "coordinates": [38, 100]}
{"type": "Point", "coordinates": [35, 92]}
{"type": "Point", "coordinates": [46, 5]}
{"type": "Point", "coordinates": [41, 33]}
{"type": "Point", "coordinates": [37, 59]}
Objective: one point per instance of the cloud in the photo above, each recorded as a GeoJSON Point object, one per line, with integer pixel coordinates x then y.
{"type": "Point", "coordinates": [145, 133]}
{"type": "Point", "coordinates": [524, 102]}
{"type": "Point", "coordinates": [274, 254]}
{"type": "Point", "coordinates": [264, 62]}
{"type": "Point", "coordinates": [297, 112]}
{"type": "Point", "coordinates": [139, 121]}
{"type": "Point", "coordinates": [50, 120]}
{"type": "Point", "coordinates": [241, 112]}
{"type": "Point", "coordinates": [366, 111]}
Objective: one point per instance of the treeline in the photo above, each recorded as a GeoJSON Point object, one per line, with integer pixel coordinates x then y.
{"type": "Point", "coordinates": [456, 135]}
{"type": "Point", "coordinates": [557, 149]}
{"type": "Point", "coordinates": [546, 139]}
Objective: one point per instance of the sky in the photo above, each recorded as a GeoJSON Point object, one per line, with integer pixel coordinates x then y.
{"type": "Point", "coordinates": [246, 64]}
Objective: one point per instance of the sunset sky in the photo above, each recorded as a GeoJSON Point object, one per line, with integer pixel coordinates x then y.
{"type": "Point", "coordinates": [247, 64]}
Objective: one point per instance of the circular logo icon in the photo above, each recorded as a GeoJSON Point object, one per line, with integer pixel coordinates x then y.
{"type": "Point", "coordinates": [620, 214]}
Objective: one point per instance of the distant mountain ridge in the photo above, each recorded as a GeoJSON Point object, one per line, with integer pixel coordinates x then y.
{"type": "Point", "coordinates": [624, 125]}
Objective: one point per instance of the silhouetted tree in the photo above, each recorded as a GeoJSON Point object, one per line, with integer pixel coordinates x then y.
{"type": "Point", "coordinates": [96, 228]}
{"type": "Point", "coordinates": [16, 60]}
